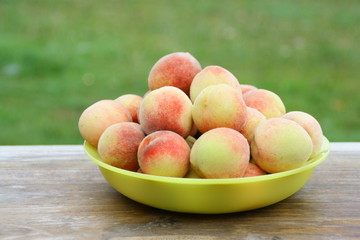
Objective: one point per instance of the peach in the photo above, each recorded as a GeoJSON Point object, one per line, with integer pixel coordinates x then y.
{"type": "Point", "coordinates": [265, 101]}
{"type": "Point", "coordinates": [253, 119]}
{"type": "Point", "coordinates": [253, 170]}
{"type": "Point", "coordinates": [164, 153]}
{"type": "Point", "coordinates": [212, 75]}
{"type": "Point", "coordinates": [193, 130]}
{"type": "Point", "coordinates": [219, 106]}
{"type": "Point", "coordinates": [190, 141]}
{"type": "Point", "coordinates": [99, 116]}
{"type": "Point", "coordinates": [166, 108]}
{"type": "Point", "coordinates": [191, 174]}
{"type": "Point", "coordinates": [175, 69]}
{"type": "Point", "coordinates": [147, 92]}
{"type": "Point", "coordinates": [119, 143]}
{"type": "Point", "coordinates": [312, 127]}
{"type": "Point", "coordinates": [132, 103]}
{"type": "Point", "coordinates": [247, 88]}
{"type": "Point", "coordinates": [197, 134]}
{"type": "Point", "coordinates": [220, 153]}
{"type": "Point", "coordinates": [280, 144]}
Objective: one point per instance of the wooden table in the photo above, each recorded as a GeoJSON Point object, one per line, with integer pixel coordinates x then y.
{"type": "Point", "coordinates": [56, 192]}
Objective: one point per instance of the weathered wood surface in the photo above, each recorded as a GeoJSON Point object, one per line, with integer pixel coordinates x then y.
{"type": "Point", "coordinates": [55, 192]}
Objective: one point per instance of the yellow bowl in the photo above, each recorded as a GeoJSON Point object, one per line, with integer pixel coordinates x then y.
{"type": "Point", "coordinates": [207, 196]}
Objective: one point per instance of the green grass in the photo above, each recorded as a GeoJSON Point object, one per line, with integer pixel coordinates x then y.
{"type": "Point", "coordinates": [58, 57]}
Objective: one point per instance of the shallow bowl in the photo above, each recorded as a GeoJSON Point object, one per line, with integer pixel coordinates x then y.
{"type": "Point", "coordinates": [207, 196]}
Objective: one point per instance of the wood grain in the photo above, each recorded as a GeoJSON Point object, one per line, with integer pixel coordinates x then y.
{"type": "Point", "coordinates": [55, 192]}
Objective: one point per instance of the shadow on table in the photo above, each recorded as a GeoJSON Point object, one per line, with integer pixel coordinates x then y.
{"type": "Point", "coordinates": [148, 221]}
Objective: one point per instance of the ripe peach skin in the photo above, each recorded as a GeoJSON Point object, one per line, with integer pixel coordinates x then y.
{"type": "Point", "coordinates": [193, 131]}
{"type": "Point", "coordinates": [253, 170]}
{"type": "Point", "coordinates": [132, 103]}
{"type": "Point", "coordinates": [191, 174]}
{"type": "Point", "coordinates": [164, 153]}
{"type": "Point", "coordinates": [176, 69]}
{"type": "Point", "coordinates": [247, 88]}
{"type": "Point", "coordinates": [190, 141]}
{"type": "Point", "coordinates": [119, 143]}
{"type": "Point", "coordinates": [312, 127]}
{"type": "Point", "coordinates": [166, 108]}
{"type": "Point", "coordinates": [99, 116]}
{"type": "Point", "coordinates": [266, 102]}
{"type": "Point", "coordinates": [280, 144]}
{"type": "Point", "coordinates": [220, 153]}
{"type": "Point", "coordinates": [219, 106]}
{"type": "Point", "coordinates": [212, 75]}
{"type": "Point", "coordinates": [253, 119]}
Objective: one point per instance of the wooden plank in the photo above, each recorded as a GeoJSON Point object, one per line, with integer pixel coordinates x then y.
{"type": "Point", "coordinates": [55, 192]}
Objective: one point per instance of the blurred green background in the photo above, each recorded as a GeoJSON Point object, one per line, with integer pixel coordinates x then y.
{"type": "Point", "coordinates": [58, 57]}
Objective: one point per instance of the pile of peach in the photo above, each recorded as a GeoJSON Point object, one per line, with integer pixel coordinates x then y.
{"type": "Point", "coordinates": [200, 122]}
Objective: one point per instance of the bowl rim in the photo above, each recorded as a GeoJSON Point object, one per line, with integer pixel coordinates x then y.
{"type": "Point", "coordinates": [311, 163]}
